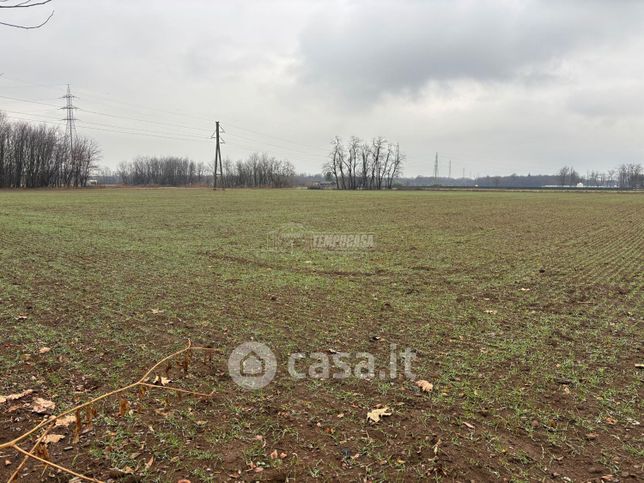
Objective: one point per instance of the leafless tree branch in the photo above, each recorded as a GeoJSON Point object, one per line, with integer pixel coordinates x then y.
{"type": "Point", "coordinates": [25, 4]}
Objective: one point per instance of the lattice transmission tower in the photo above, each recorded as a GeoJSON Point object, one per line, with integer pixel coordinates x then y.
{"type": "Point", "coordinates": [70, 127]}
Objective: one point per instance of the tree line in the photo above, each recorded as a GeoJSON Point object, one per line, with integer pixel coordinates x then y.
{"type": "Point", "coordinates": [257, 171]}
{"type": "Point", "coordinates": [38, 156]}
{"type": "Point", "coordinates": [364, 165]}
{"type": "Point", "coordinates": [625, 176]}
{"type": "Point", "coordinates": [162, 171]}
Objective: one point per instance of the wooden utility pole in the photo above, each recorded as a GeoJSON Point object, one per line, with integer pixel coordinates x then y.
{"type": "Point", "coordinates": [219, 170]}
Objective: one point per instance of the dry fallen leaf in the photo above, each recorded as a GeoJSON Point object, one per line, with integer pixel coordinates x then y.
{"type": "Point", "coordinates": [124, 407]}
{"type": "Point", "coordinates": [375, 415]}
{"type": "Point", "coordinates": [161, 381]}
{"type": "Point", "coordinates": [157, 311]}
{"type": "Point", "coordinates": [78, 428]}
{"type": "Point", "coordinates": [425, 386]}
{"type": "Point", "coordinates": [65, 420]}
{"type": "Point", "coordinates": [44, 350]}
{"type": "Point", "coordinates": [469, 425]}
{"type": "Point", "coordinates": [13, 397]}
{"type": "Point", "coordinates": [43, 406]}
{"type": "Point", "coordinates": [52, 438]}
{"type": "Point", "coordinates": [150, 462]}
{"type": "Point", "coordinates": [273, 455]}
{"type": "Point", "coordinates": [438, 443]}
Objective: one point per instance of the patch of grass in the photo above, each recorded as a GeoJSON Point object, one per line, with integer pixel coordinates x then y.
{"type": "Point", "coordinates": [525, 311]}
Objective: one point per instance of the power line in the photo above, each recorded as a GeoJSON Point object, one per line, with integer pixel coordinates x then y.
{"type": "Point", "coordinates": [143, 120]}
{"type": "Point", "coordinates": [27, 100]}
{"type": "Point", "coordinates": [274, 137]}
{"type": "Point", "coordinates": [85, 127]}
{"type": "Point", "coordinates": [30, 84]}
{"type": "Point", "coordinates": [184, 126]}
{"type": "Point", "coordinates": [193, 116]}
{"type": "Point", "coordinates": [197, 116]}
{"type": "Point", "coordinates": [294, 147]}
{"type": "Point", "coordinates": [286, 148]}
{"type": "Point", "coordinates": [145, 135]}
{"type": "Point", "coordinates": [248, 143]}
{"type": "Point", "coordinates": [183, 136]}
{"type": "Point", "coordinates": [279, 146]}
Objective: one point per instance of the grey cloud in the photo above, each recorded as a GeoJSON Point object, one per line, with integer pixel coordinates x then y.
{"type": "Point", "coordinates": [619, 102]}
{"type": "Point", "coordinates": [380, 47]}
{"type": "Point", "coordinates": [529, 85]}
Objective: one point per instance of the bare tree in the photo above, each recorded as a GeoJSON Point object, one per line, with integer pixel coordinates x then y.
{"type": "Point", "coordinates": [334, 166]}
{"type": "Point", "coordinates": [365, 153]}
{"type": "Point", "coordinates": [22, 4]}
{"type": "Point", "coordinates": [365, 165]}
{"type": "Point", "coordinates": [395, 169]}
{"type": "Point", "coordinates": [377, 146]}
{"type": "Point", "coordinates": [352, 162]}
{"type": "Point", "coordinates": [33, 156]}
{"type": "Point", "coordinates": [630, 176]}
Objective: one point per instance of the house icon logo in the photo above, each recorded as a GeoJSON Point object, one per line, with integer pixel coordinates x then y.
{"type": "Point", "coordinates": [252, 365]}
{"type": "Point", "coordinates": [290, 236]}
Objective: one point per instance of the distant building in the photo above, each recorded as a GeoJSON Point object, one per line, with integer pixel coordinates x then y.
{"type": "Point", "coordinates": [323, 185]}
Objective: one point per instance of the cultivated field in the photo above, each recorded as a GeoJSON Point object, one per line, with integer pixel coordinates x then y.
{"type": "Point", "coordinates": [525, 311]}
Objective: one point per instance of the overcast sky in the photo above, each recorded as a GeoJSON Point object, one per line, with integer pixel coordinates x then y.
{"type": "Point", "coordinates": [497, 86]}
